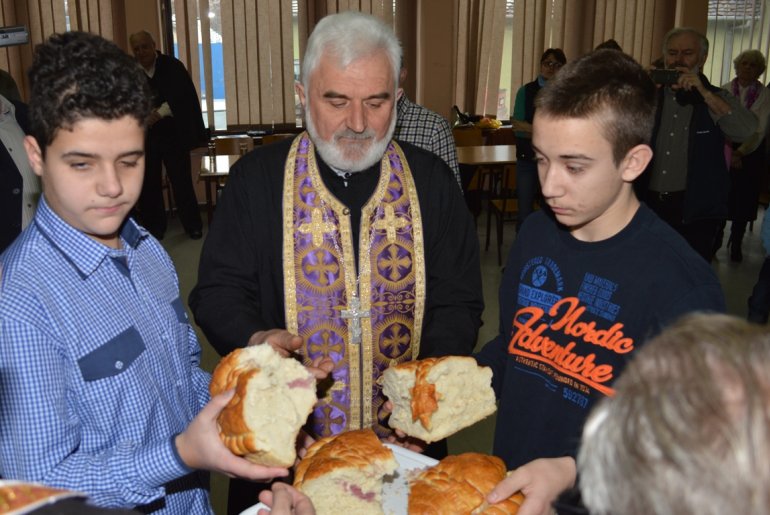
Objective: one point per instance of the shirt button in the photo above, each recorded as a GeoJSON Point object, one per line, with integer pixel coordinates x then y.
{"type": "Point", "coordinates": [664, 172]}
{"type": "Point", "coordinates": [671, 134]}
{"type": "Point", "coordinates": [119, 365]}
{"type": "Point", "coordinates": [668, 152]}
{"type": "Point", "coordinates": [16, 191]}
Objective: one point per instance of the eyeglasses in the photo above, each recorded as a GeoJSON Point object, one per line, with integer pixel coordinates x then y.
{"type": "Point", "coordinates": [552, 64]}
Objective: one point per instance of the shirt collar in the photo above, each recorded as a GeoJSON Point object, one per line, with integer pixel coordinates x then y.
{"type": "Point", "coordinates": [403, 105]}
{"type": "Point", "coordinates": [84, 253]}
{"type": "Point", "coordinates": [541, 81]}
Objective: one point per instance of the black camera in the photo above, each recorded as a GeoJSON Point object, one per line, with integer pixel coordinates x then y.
{"type": "Point", "coordinates": [664, 76]}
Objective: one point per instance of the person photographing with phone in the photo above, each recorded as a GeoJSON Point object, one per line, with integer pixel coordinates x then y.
{"type": "Point", "coordinates": [687, 181]}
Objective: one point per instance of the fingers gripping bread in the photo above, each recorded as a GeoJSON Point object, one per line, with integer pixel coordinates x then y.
{"type": "Point", "coordinates": [273, 398]}
{"type": "Point", "coordinates": [344, 473]}
{"type": "Point", "coordinates": [459, 485]}
{"type": "Point", "coordinates": [436, 397]}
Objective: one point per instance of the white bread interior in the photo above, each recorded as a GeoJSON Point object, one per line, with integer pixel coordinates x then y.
{"type": "Point", "coordinates": [344, 473]}
{"type": "Point", "coordinates": [273, 398]}
{"type": "Point", "coordinates": [459, 390]}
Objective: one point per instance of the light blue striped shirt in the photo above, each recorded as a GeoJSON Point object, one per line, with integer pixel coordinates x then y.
{"type": "Point", "coordinates": [99, 368]}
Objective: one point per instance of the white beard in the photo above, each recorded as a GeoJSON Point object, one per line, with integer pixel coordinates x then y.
{"type": "Point", "coordinates": [369, 152]}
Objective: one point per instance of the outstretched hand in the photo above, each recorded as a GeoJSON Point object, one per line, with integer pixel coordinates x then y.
{"type": "Point", "coordinates": [541, 481]}
{"type": "Point", "coordinates": [200, 447]}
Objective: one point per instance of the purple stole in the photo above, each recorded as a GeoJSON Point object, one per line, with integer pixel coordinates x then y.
{"type": "Point", "coordinates": [366, 333]}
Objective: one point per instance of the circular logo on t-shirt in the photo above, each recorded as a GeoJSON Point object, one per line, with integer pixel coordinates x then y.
{"type": "Point", "coordinates": [539, 275]}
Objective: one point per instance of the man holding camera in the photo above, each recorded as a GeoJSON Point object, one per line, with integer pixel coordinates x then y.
{"type": "Point", "coordinates": [687, 182]}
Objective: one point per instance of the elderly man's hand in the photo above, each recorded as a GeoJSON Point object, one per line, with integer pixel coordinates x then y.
{"type": "Point", "coordinates": [541, 481]}
{"type": "Point", "coordinates": [286, 343]}
{"type": "Point", "coordinates": [689, 81]}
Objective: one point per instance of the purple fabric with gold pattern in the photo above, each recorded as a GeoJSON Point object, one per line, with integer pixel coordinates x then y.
{"type": "Point", "coordinates": [320, 280]}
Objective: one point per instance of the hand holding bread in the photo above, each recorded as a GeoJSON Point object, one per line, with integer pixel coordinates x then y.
{"type": "Point", "coordinates": [273, 397]}
{"type": "Point", "coordinates": [436, 397]}
{"type": "Point", "coordinates": [200, 447]}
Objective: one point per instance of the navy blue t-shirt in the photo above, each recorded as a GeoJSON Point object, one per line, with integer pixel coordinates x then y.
{"type": "Point", "coordinates": [572, 313]}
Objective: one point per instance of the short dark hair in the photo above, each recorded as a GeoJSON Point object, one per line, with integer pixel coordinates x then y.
{"type": "Point", "coordinates": [77, 75]}
{"type": "Point", "coordinates": [610, 43]}
{"type": "Point", "coordinates": [556, 53]}
{"type": "Point", "coordinates": [611, 86]}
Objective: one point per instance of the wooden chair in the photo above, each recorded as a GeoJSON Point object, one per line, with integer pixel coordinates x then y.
{"type": "Point", "coordinates": [272, 138]}
{"type": "Point", "coordinates": [235, 145]}
{"type": "Point", "coordinates": [476, 181]}
{"type": "Point", "coordinates": [503, 205]}
{"type": "Point", "coordinates": [467, 136]}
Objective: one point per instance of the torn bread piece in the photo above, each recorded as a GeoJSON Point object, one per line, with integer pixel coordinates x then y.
{"type": "Point", "coordinates": [344, 473]}
{"type": "Point", "coordinates": [436, 397]}
{"type": "Point", "coordinates": [273, 398]}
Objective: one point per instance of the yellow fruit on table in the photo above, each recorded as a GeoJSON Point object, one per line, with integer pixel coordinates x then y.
{"type": "Point", "coordinates": [489, 123]}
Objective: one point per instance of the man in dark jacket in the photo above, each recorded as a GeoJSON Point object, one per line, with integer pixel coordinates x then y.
{"type": "Point", "coordinates": [175, 127]}
{"type": "Point", "coordinates": [687, 181]}
{"type": "Point", "coordinates": [19, 186]}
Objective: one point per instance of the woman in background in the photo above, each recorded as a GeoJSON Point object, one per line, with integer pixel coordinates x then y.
{"type": "Point", "coordinates": [747, 159]}
{"type": "Point", "coordinates": [527, 184]}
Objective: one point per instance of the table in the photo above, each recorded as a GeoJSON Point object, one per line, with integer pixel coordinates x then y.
{"type": "Point", "coordinates": [487, 155]}
{"type": "Point", "coordinates": [496, 183]}
{"type": "Point", "coordinates": [214, 173]}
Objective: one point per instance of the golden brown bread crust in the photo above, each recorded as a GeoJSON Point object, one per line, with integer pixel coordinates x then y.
{"type": "Point", "coordinates": [19, 495]}
{"type": "Point", "coordinates": [458, 485]}
{"type": "Point", "coordinates": [424, 397]}
{"type": "Point", "coordinates": [257, 375]}
{"type": "Point", "coordinates": [359, 448]}
{"type": "Point", "coordinates": [236, 434]}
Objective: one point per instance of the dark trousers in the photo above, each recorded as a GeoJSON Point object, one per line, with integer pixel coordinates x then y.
{"type": "Point", "coordinates": [759, 301]}
{"type": "Point", "coordinates": [700, 234]}
{"type": "Point", "coordinates": [163, 148]}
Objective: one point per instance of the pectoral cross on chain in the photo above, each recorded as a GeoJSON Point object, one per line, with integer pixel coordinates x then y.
{"type": "Point", "coordinates": [355, 314]}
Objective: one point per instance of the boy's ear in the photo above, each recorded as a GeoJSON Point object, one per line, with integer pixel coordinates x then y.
{"type": "Point", "coordinates": [635, 162]}
{"type": "Point", "coordinates": [34, 154]}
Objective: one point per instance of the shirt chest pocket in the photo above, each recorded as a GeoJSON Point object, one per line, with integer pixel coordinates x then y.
{"type": "Point", "coordinates": [113, 387]}
{"type": "Point", "coordinates": [114, 357]}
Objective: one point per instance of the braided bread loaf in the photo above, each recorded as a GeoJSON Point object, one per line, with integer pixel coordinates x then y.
{"type": "Point", "coordinates": [459, 485]}
{"type": "Point", "coordinates": [344, 473]}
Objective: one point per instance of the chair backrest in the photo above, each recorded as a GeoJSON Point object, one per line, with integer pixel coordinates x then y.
{"type": "Point", "coordinates": [272, 138]}
{"type": "Point", "coordinates": [502, 136]}
{"type": "Point", "coordinates": [467, 136]}
{"type": "Point", "coordinates": [231, 145]}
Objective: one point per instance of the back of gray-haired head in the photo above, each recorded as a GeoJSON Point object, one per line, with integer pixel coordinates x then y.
{"type": "Point", "coordinates": [688, 429]}
{"type": "Point", "coordinates": [348, 36]}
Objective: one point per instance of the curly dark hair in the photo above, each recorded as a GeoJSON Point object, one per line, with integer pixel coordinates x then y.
{"type": "Point", "coordinates": [77, 75]}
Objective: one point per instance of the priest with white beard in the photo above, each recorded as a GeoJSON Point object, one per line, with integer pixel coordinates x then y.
{"type": "Point", "coordinates": [343, 245]}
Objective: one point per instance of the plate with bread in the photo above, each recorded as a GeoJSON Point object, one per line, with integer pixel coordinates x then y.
{"type": "Point", "coordinates": [354, 472]}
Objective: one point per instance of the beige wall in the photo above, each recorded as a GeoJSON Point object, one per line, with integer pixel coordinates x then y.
{"type": "Point", "coordinates": [142, 15]}
{"type": "Point", "coordinates": [435, 55]}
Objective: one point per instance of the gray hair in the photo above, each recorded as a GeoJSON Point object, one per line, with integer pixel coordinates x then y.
{"type": "Point", "coordinates": [349, 36]}
{"type": "Point", "coordinates": [688, 430]}
{"type": "Point", "coordinates": [754, 57]}
{"type": "Point", "coordinates": [678, 31]}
